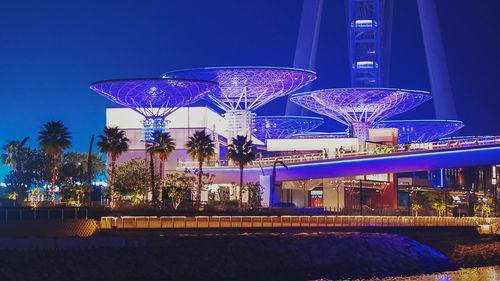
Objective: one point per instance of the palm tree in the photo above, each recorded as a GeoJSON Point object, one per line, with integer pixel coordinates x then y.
{"type": "Point", "coordinates": [200, 147]}
{"type": "Point", "coordinates": [113, 142]}
{"type": "Point", "coordinates": [161, 145]}
{"type": "Point", "coordinates": [14, 151]}
{"type": "Point", "coordinates": [54, 138]}
{"type": "Point", "coordinates": [241, 152]}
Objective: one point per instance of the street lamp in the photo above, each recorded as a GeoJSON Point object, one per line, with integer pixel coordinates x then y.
{"type": "Point", "coordinates": [361, 196]}
{"type": "Point", "coordinates": [273, 185]}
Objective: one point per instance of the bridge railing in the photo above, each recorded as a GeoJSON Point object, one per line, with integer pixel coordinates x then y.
{"type": "Point", "coordinates": [430, 146]}
{"type": "Point", "coordinates": [202, 222]}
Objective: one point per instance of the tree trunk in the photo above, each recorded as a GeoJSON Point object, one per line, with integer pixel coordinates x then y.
{"type": "Point", "coordinates": [240, 200]}
{"type": "Point", "coordinates": [153, 189]}
{"type": "Point", "coordinates": [200, 182]}
{"type": "Point", "coordinates": [89, 170]}
{"type": "Point", "coordinates": [112, 185]}
{"type": "Point", "coordinates": [160, 188]}
{"type": "Point", "coordinates": [305, 195]}
{"type": "Point", "coordinates": [53, 187]}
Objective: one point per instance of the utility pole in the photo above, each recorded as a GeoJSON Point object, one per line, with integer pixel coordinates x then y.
{"type": "Point", "coordinates": [446, 201]}
{"type": "Point", "coordinates": [409, 200]}
{"type": "Point", "coordinates": [361, 197]}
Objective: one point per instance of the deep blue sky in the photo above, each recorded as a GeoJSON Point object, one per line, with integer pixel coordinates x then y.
{"type": "Point", "coordinates": [52, 50]}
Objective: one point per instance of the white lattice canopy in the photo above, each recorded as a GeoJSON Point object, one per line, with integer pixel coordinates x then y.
{"type": "Point", "coordinates": [276, 127]}
{"type": "Point", "coordinates": [247, 88]}
{"type": "Point", "coordinates": [418, 131]}
{"type": "Point", "coordinates": [360, 105]}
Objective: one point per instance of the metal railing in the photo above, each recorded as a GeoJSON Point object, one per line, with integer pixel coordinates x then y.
{"type": "Point", "coordinates": [19, 214]}
{"type": "Point", "coordinates": [183, 222]}
{"type": "Point", "coordinates": [414, 147]}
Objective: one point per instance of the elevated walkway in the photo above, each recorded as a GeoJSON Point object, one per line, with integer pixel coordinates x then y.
{"type": "Point", "coordinates": [415, 160]}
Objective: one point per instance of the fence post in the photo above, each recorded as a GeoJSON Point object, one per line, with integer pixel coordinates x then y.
{"type": "Point", "coordinates": [62, 213]}
{"type": "Point", "coordinates": [76, 214]}
{"type": "Point", "coordinates": [20, 214]}
{"type": "Point", "coordinates": [86, 213]}
{"type": "Point", "coordinates": [34, 213]}
{"type": "Point", "coordinates": [6, 215]}
{"type": "Point", "coordinates": [48, 213]}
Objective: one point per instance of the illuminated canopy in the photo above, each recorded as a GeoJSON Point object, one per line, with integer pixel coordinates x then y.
{"type": "Point", "coordinates": [410, 131]}
{"type": "Point", "coordinates": [276, 127]}
{"type": "Point", "coordinates": [153, 97]}
{"type": "Point", "coordinates": [319, 135]}
{"type": "Point", "coordinates": [360, 104]}
{"type": "Point", "coordinates": [247, 88]}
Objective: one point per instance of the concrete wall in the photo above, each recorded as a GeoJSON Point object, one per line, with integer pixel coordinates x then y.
{"type": "Point", "coordinates": [48, 228]}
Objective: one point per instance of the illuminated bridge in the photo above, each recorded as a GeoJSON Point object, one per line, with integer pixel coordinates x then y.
{"type": "Point", "coordinates": [417, 157]}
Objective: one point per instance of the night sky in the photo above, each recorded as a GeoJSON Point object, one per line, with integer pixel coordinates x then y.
{"type": "Point", "coordinates": [52, 50]}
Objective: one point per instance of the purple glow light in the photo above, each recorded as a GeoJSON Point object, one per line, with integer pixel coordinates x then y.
{"type": "Point", "coordinates": [247, 88]}
{"type": "Point", "coordinates": [360, 105]}
{"type": "Point", "coordinates": [153, 97]}
{"type": "Point", "coordinates": [374, 164]}
{"type": "Point", "coordinates": [418, 131]}
{"type": "Point", "coordinates": [276, 127]}
{"type": "Point", "coordinates": [320, 135]}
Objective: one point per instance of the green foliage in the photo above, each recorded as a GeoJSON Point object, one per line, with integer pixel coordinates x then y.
{"type": "Point", "coordinates": [54, 138]}
{"type": "Point", "coordinates": [14, 152]}
{"type": "Point", "coordinates": [74, 194]}
{"type": "Point", "coordinates": [200, 147]}
{"type": "Point", "coordinates": [440, 207]}
{"type": "Point", "coordinates": [160, 146]}
{"type": "Point", "coordinates": [484, 208]}
{"type": "Point", "coordinates": [19, 181]}
{"type": "Point", "coordinates": [74, 166]}
{"type": "Point", "coordinates": [113, 143]}
{"type": "Point", "coordinates": [254, 194]}
{"type": "Point", "coordinates": [179, 186]}
{"type": "Point", "coordinates": [416, 207]}
{"type": "Point", "coordinates": [133, 178]}
{"type": "Point", "coordinates": [240, 151]}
